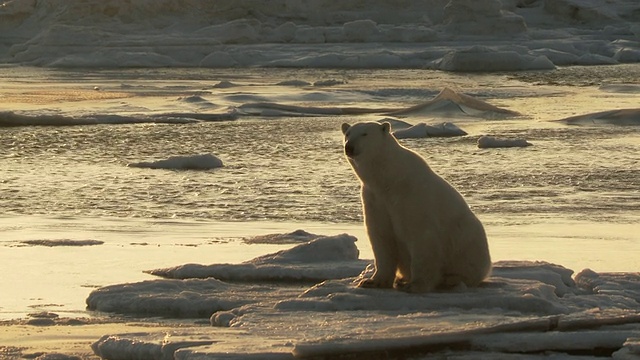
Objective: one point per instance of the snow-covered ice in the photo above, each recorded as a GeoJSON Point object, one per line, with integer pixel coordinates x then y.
{"type": "Point", "coordinates": [453, 35]}
{"type": "Point", "coordinates": [524, 307]}
{"type": "Point", "coordinates": [113, 76]}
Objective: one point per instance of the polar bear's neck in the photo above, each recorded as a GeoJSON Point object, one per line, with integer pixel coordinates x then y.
{"type": "Point", "coordinates": [387, 166]}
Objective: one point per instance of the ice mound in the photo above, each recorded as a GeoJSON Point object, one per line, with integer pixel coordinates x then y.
{"type": "Point", "coordinates": [453, 104]}
{"type": "Point", "coordinates": [486, 141]}
{"type": "Point", "coordinates": [465, 16]}
{"type": "Point", "coordinates": [422, 130]}
{"type": "Point", "coordinates": [625, 117]}
{"type": "Point", "coordinates": [189, 162]}
{"type": "Point", "coordinates": [486, 59]}
{"type": "Point", "coordinates": [324, 257]}
{"type": "Point", "coordinates": [524, 307]}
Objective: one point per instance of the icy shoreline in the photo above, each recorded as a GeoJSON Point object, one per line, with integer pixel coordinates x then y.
{"type": "Point", "coordinates": [457, 35]}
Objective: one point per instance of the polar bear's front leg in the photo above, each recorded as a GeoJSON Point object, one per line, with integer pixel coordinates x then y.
{"type": "Point", "coordinates": [383, 242]}
{"type": "Point", "coordinates": [426, 265]}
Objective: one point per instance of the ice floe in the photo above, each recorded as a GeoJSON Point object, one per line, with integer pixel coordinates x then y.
{"type": "Point", "coordinates": [325, 257]}
{"type": "Point", "coordinates": [609, 117]}
{"type": "Point", "coordinates": [486, 141]}
{"type": "Point", "coordinates": [422, 130]}
{"type": "Point", "coordinates": [188, 162]}
{"type": "Point", "coordinates": [523, 308]}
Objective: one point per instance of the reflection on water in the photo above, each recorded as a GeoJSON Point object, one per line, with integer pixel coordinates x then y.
{"type": "Point", "coordinates": [292, 168]}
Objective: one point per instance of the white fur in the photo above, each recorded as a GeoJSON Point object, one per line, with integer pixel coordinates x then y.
{"type": "Point", "coordinates": [423, 234]}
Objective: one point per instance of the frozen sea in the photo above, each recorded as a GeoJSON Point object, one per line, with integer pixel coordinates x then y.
{"type": "Point", "coordinates": [77, 215]}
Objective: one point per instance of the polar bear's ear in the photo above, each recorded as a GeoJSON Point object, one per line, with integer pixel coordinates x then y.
{"type": "Point", "coordinates": [386, 127]}
{"type": "Point", "coordinates": [345, 127]}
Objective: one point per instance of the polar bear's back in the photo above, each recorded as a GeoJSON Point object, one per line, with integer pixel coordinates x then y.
{"type": "Point", "coordinates": [413, 177]}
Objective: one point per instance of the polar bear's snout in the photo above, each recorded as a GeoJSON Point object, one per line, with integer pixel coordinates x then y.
{"type": "Point", "coordinates": [349, 150]}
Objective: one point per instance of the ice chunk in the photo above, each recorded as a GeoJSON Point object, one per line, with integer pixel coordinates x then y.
{"type": "Point", "coordinates": [360, 31]}
{"type": "Point", "coordinates": [482, 58]}
{"type": "Point", "coordinates": [493, 142]}
{"type": "Point", "coordinates": [482, 17]}
{"type": "Point", "coordinates": [329, 257]}
{"type": "Point", "coordinates": [174, 298]}
{"type": "Point", "coordinates": [155, 346]}
{"type": "Point", "coordinates": [191, 162]}
{"type": "Point", "coordinates": [288, 238]}
{"type": "Point", "coordinates": [609, 117]}
{"type": "Point", "coordinates": [423, 130]}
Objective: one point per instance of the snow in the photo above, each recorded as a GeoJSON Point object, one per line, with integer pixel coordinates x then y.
{"type": "Point", "coordinates": [188, 162]}
{"type": "Point", "coordinates": [436, 34]}
{"type": "Point", "coordinates": [524, 307]}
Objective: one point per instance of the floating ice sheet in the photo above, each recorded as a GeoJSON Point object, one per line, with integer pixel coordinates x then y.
{"type": "Point", "coordinates": [524, 307]}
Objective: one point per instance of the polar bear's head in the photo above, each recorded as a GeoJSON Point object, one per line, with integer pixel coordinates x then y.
{"type": "Point", "coordinates": [364, 137]}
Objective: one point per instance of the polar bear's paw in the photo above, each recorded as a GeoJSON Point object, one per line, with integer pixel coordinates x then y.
{"type": "Point", "coordinates": [414, 287]}
{"type": "Point", "coordinates": [374, 283]}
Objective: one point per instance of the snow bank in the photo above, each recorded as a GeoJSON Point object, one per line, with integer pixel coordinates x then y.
{"type": "Point", "coordinates": [523, 307]}
{"type": "Point", "coordinates": [486, 141]}
{"type": "Point", "coordinates": [436, 34]}
{"type": "Point", "coordinates": [189, 162]}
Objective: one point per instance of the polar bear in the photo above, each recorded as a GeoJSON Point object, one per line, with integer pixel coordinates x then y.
{"type": "Point", "coordinates": [423, 234]}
